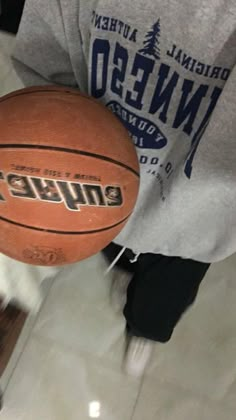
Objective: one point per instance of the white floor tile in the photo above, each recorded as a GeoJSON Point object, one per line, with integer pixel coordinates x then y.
{"type": "Point", "coordinates": [9, 81]}
{"type": "Point", "coordinates": [78, 314]}
{"type": "Point", "coordinates": [7, 42]}
{"type": "Point", "coordinates": [160, 401]}
{"type": "Point", "coordinates": [53, 384]}
{"type": "Point", "coordinates": [22, 340]}
{"type": "Point", "coordinates": [230, 396]}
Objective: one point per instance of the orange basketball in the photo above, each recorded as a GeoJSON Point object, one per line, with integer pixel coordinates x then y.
{"type": "Point", "coordinates": [69, 176]}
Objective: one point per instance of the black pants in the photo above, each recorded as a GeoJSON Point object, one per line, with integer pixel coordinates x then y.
{"type": "Point", "coordinates": [10, 15]}
{"type": "Point", "coordinates": [161, 290]}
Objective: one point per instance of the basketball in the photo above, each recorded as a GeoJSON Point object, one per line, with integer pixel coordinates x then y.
{"type": "Point", "coordinates": [69, 176]}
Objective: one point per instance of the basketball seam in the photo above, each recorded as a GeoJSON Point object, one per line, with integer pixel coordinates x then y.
{"type": "Point", "coordinates": [21, 93]}
{"type": "Point", "coordinates": [72, 151]}
{"type": "Point", "coordinates": [61, 232]}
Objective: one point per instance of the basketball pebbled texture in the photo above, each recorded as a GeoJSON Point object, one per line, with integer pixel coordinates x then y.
{"type": "Point", "coordinates": [69, 176]}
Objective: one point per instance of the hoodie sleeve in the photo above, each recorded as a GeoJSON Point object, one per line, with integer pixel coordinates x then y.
{"type": "Point", "coordinates": [41, 55]}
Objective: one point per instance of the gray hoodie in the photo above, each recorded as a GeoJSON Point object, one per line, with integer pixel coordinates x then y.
{"type": "Point", "coordinates": [167, 70]}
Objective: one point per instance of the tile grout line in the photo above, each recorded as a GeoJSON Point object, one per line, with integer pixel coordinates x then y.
{"type": "Point", "coordinates": [137, 398]}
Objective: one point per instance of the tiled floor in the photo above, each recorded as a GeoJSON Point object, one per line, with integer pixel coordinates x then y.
{"type": "Point", "coordinates": [8, 79]}
{"type": "Point", "coordinates": [70, 368]}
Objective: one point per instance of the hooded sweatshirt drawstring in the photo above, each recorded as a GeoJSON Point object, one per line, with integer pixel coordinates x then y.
{"type": "Point", "coordinates": [116, 259]}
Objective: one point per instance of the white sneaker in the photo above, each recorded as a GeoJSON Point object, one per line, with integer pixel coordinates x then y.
{"type": "Point", "coordinates": [137, 356]}
{"type": "Point", "coordinates": [118, 292]}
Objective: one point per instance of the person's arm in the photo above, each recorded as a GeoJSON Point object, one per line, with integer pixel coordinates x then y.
{"type": "Point", "coordinates": [41, 55]}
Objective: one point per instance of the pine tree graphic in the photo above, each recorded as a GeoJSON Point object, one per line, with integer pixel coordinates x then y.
{"type": "Point", "coordinates": [151, 44]}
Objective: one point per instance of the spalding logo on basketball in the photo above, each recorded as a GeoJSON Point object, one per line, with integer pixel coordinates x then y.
{"type": "Point", "coordinates": [69, 176]}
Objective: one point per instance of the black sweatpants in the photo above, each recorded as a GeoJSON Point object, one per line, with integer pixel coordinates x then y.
{"type": "Point", "coordinates": [161, 290]}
